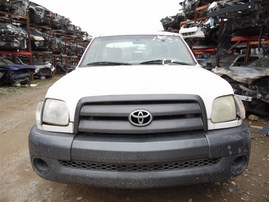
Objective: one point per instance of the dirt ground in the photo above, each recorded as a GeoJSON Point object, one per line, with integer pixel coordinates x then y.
{"type": "Point", "coordinates": [19, 183]}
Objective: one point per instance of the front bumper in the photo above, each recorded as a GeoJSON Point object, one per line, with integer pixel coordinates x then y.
{"type": "Point", "coordinates": [140, 161]}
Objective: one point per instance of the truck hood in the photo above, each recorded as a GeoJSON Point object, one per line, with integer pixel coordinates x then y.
{"type": "Point", "coordinates": [138, 79]}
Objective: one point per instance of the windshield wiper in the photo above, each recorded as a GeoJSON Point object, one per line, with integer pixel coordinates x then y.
{"type": "Point", "coordinates": [101, 63]}
{"type": "Point", "coordinates": [164, 62]}
{"type": "Point", "coordinates": [180, 62]}
{"type": "Point", "coordinates": [151, 62]}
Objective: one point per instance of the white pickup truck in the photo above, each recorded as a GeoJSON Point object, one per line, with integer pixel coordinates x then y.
{"type": "Point", "coordinates": [139, 112]}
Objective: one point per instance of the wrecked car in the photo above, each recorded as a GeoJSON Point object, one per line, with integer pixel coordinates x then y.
{"type": "Point", "coordinates": [192, 30]}
{"type": "Point", "coordinates": [38, 40]}
{"type": "Point", "coordinates": [229, 60]}
{"type": "Point", "coordinates": [44, 70]}
{"type": "Point", "coordinates": [251, 83]}
{"type": "Point", "coordinates": [131, 116]}
{"type": "Point", "coordinates": [12, 37]}
{"type": "Point", "coordinates": [5, 5]}
{"type": "Point", "coordinates": [244, 17]}
{"type": "Point", "coordinates": [57, 45]}
{"type": "Point", "coordinates": [39, 14]}
{"type": "Point", "coordinates": [16, 7]}
{"type": "Point", "coordinates": [189, 7]}
{"type": "Point", "coordinates": [56, 21]}
{"type": "Point", "coordinates": [12, 74]}
{"type": "Point", "coordinates": [20, 7]}
{"type": "Point", "coordinates": [172, 23]}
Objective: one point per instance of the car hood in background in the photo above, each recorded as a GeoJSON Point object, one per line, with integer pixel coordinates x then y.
{"type": "Point", "coordinates": [17, 67]}
{"type": "Point", "coordinates": [245, 75]}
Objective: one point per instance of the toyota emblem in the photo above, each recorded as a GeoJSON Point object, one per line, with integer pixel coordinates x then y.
{"type": "Point", "coordinates": [140, 118]}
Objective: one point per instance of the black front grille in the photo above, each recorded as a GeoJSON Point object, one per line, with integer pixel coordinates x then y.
{"type": "Point", "coordinates": [171, 113]}
{"type": "Point", "coordinates": [139, 167]}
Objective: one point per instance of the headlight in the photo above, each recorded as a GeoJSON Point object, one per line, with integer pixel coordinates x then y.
{"type": "Point", "coordinates": [223, 109]}
{"type": "Point", "coordinates": [36, 70]}
{"type": "Point", "coordinates": [55, 112]}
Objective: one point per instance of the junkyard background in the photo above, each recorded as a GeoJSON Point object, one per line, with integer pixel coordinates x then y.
{"type": "Point", "coordinates": [37, 47]}
{"type": "Point", "coordinates": [228, 37]}
{"type": "Point", "coordinates": [36, 43]}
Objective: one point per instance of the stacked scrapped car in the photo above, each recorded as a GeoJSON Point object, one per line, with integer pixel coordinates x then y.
{"type": "Point", "coordinates": [12, 37]}
{"type": "Point", "coordinates": [242, 18]}
{"type": "Point", "coordinates": [44, 70]}
{"type": "Point", "coordinates": [16, 7]}
{"type": "Point", "coordinates": [4, 5]}
{"type": "Point", "coordinates": [39, 15]}
{"type": "Point", "coordinates": [20, 7]}
{"type": "Point", "coordinates": [238, 18]}
{"type": "Point", "coordinates": [192, 30]}
{"type": "Point", "coordinates": [39, 40]}
{"type": "Point", "coordinates": [57, 21]}
{"type": "Point", "coordinates": [57, 45]}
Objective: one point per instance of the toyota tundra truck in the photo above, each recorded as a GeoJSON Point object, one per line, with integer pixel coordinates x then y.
{"type": "Point", "coordinates": [139, 112]}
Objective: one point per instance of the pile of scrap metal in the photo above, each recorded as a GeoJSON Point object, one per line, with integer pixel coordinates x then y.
{"type": "Point", "coordinates": [61, 27]}
{"type": "Point", "coordinates": [49, 34]}
{"type": "Point", "coordinates": [15, 7]}
{"type": "Point", "coordinates": [14, 37]}
{"type": "Point", "coordinates": [186, 13]}
{"type": "Point", "coordinates": [40, 41]}
{"type": "Point", "coordinates": [236, 17]}
{"type": "Point", "coordinates": [44, 24]}
{"type": "Point", "coordinates": [172, 23]}
{"type": "Point", "coordinates": [12, 74]}
{"type": "Point", "coordinates": [40, 15]}
{"type": "Point", "coordinates": [239, 18]}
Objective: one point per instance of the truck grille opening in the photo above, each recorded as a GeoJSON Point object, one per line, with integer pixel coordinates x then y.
{"type": "Point", "coordinates": [97, 166]}
{"type": "Point", "coordinates": [170, 113]}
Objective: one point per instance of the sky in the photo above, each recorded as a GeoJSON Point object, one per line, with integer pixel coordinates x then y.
{"type": "Point", "coordinates": [104, 16]}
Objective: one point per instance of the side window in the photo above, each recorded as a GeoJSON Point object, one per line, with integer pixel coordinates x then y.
{"type": "Point", "coordinates": [252, 58]}
{"type": "Point", "coordinates": [239, 61]}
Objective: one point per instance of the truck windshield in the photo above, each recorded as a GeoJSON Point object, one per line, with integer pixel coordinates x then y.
{"type": "Point", "coordinates": [137, 49]}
